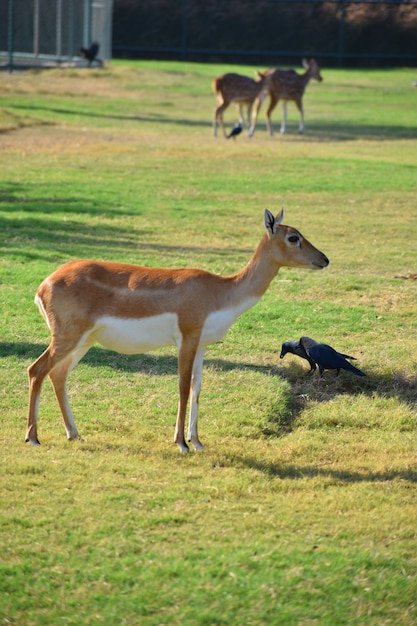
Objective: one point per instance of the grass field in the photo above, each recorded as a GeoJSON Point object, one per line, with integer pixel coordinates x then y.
{"type": "Point", "coordinates": [302, 508]}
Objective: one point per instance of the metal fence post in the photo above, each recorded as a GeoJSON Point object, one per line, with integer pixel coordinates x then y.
{"type": "Point", "coordinates": [36, 28]}
{"type": "Point", "coordinates": [10, 36]}
{"type": "Point", "coordinates": [59, 29]}
{"type": "Point", "coordinates": [341, 42]}
{"type": "Point", "coordinates": [87, 24]}
{"type": "Point", "coordinates": [184, 29]}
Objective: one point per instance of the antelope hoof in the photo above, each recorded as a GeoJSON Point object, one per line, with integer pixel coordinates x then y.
{"type": "Point", "coordinates": [183, 447]}
{"type": "Point", "coordinates": [197, 445]}
{"type": "Point", "coordinates": [33, 442]}
{"type": "Point", "coordinates": [74, 437]}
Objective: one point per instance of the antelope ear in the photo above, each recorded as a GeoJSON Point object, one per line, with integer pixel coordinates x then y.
{"type": "Point", "coordinates": [269, 221]}
{"type": "Point", "coordinates": [305, 64]}
{"type": "Point", "coordinates": [272, 222]}
{"type": "Point", "coordinates": [279, 217]}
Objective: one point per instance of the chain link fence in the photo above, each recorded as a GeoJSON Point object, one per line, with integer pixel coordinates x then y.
{"type": "Point", "coordinates": [52, 32]}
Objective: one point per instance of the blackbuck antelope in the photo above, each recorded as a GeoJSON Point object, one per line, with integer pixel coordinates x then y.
{"type": "Point", "coordinates": [288, 85]}
{"type": "Point", "coordinates": [133, 309]}
{"type": "Point", "coordinates": [240, 89]}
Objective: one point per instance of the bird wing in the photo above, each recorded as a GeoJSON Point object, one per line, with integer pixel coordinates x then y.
{"type": "Point", "coordinates": [328, 358]}
{"type": "Point", "coordinates": [307, 343]}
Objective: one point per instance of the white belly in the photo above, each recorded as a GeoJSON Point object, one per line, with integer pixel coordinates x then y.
{"type": "Point", "coordinates": [133, 336]}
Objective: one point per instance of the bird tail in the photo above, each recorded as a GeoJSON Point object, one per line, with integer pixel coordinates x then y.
{"type": "Point", "coordinates": [354, 370]}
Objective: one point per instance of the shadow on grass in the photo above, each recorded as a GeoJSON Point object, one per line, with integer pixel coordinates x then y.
{"type": "Point", "coordinates": [38, 237]}
{"type": "Point", "coordinates": [331, 385]}
{"type": "Point", "coordinates": [345, 131]}
{"type": "Point", "coordinates": [51, 239]}
{"type": "Point", "coordinates": [326, 131]}
{"type": "Point", "coordinates": [156, 117]}
{"type": "Point", "coordinates": [298, 473]}
{"type": "Point", "coordinates": [303, 388]}
{"type": "Point", "coordinates": [13, 198]}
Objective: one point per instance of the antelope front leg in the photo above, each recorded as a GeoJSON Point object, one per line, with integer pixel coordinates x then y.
{"type": "Point", "coordinates": [179, 438]}
{"type": "Point", "coordinates": [195, 394]}
{"type": "Point", "coordinates": [186, 359]}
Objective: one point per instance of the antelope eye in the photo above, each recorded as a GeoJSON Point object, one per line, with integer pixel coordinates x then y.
{"type": "Point", "coordinates": [294, 239]}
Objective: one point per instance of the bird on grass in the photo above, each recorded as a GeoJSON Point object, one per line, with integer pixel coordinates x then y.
{"type": "Point", "coordinates": [294, 347]}
{"type": "Point", "coordinates": [236, 130]}
{"type": "Point", "coordinates": [91, 53]}
{"type": "Point", "coordinates": [327, 358]}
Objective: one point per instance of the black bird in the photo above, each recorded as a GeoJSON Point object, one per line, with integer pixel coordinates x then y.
{"type": "Point", "coordinates": [327, 358]}
{"type": "Point", "coordinates": [91, 52]}
{"type": "Point", "coordinates": [236, 130]}
{"type": "Point", "coordinates": [295, 347]}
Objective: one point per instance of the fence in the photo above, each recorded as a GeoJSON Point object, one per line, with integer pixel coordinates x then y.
{"type": "Point", "coordinates": [51, 32]}
{"type": "Point", "coordinates": [267, 32]}
{"type": "Point", "coordinates": [371, 32]}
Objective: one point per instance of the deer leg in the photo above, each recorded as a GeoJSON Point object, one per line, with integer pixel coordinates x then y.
{"type": "Point", "coordinates": [301, 110]}
{"type": "Point", "coordinates": [215, 124]}
{"type": "Point", "coordinates": [248, 117]}
{"type": "Point", "coordinates": [218, 117]}
{"type": "Point", "coordinates": [195, 395]}
{"type": "Point", "coordinates": [58, 377]}
{"type": "Point", "coordinates": [241, 116]}
{"type": "Point", "coordinates": [272, 105]}
{"type": "Point", "coordinates": [186, 358]}
{"type": "Point", "coordinates": [254, 110]}
{"type": "Point", "coordinates": [284, 118]}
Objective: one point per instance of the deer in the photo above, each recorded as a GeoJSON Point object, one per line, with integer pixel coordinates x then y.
{"type": "Point", "coordinates": [243, 90]}
{"type": "Point", "coordinates": [288, 85]}
{"type": "Point", "coordinates": [133, 309]}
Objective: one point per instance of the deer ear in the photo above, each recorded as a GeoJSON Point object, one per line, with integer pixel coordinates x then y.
{"type": "Point", "coordinates": [305, 64]}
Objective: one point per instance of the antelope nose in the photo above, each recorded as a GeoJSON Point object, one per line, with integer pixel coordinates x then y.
{"type": "Point", "coordinates": [326, 260]}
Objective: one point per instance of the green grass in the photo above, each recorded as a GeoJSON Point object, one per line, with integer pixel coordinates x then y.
{"type": "Point", "coordinates": [301, 509]}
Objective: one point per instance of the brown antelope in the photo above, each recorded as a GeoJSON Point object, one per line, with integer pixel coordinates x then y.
{"type": "Point", "coordinates": [240, 89]}
{"type": "Point", "coordinates": [288, 85]}
{"type": "Point", "coordinates": [133, 309]}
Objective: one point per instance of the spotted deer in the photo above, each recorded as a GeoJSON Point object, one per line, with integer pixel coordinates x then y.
{"type": "Point", "coordinates": [243, 90]}
{"type": "Point", "coordinates": [288, 85]}
{"type": "Point", "coordinates": [133, 309]}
